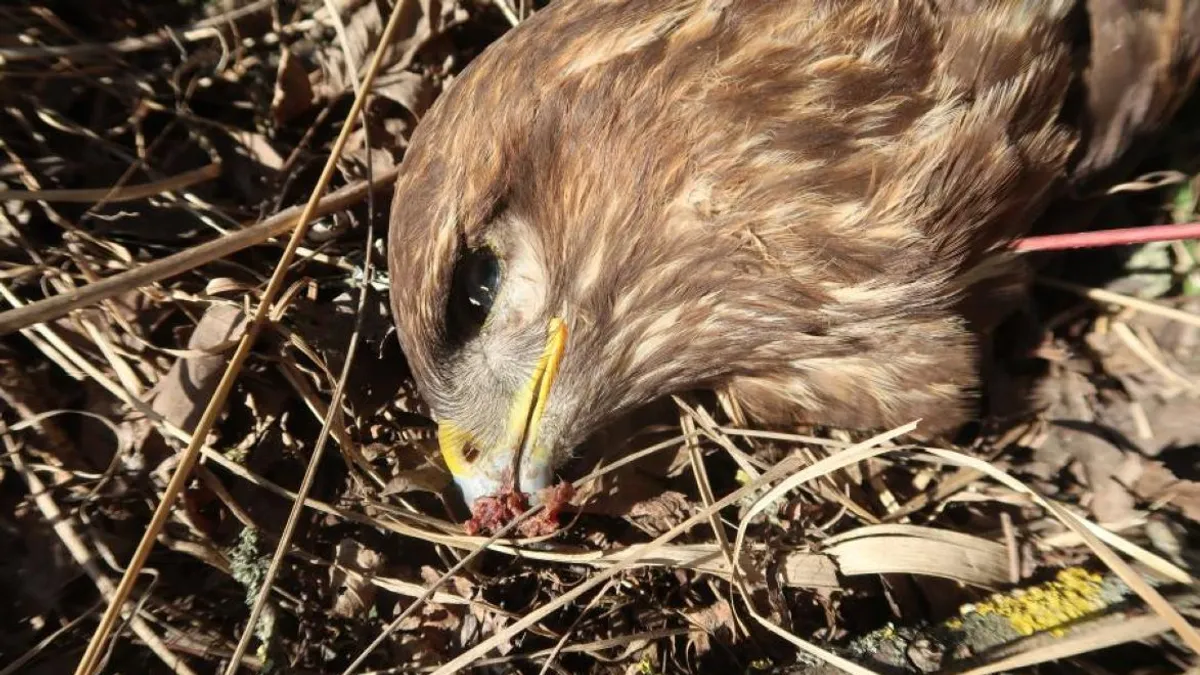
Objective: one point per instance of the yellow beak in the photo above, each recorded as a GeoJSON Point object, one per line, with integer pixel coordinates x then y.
{"type": "Point", "coordinates": [519, 462]}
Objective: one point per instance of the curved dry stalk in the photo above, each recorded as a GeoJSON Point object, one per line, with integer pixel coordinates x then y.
{"type": "Point", "coordinates": [1097, 539]}
{"type": "Point", "coordinates": [855, 453]}
{"type": "Point", "coordinates": [1094, 536]}
{"type": "Point", "coordinates": [22, 660]}
{"type": "Point", "coordinates": [852, 455]}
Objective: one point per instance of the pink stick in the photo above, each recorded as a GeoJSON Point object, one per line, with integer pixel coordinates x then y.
{"type": "Point", "coordinates": [1101, 238]}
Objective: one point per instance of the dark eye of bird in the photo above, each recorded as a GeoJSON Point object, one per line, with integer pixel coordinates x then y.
{"type": "Point", "coordinates": [476, 282]}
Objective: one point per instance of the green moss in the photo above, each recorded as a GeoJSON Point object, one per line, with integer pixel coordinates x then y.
{"type": "Point", "coordinates": [250, 570]}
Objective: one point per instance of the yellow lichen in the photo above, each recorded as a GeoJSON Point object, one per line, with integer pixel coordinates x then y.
{"type": "Point", "coordinates": [646, 666]}
{"type": "Point", "coordinates": [1050, 606]}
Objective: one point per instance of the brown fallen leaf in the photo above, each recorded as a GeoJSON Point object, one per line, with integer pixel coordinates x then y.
{"type": "Point", "coordinates": [661, 512]}
{"type": "Point", "coordinates": [1106, 464]}
{"type": "Point", "coordinates": [412, 90]}
{"type": "Point", "coordinates": [809, 570]}
{"type": "Point", "coordinates": [1157, 483]}
{"type": "Point", "coordinates": [370, 146]}
{"type": "Point", "coordinates": [349, 578]}
{"type": "Point", "coordinates": [363, 22]}
{"type": "Point", "coordinates": [714, 619]}
{"type": "Point", "coordinates": [187, 386]}
{"type": "Point", "coordinates": [293, 92]}
{"type": "Point", "coordinates": [416, 472]}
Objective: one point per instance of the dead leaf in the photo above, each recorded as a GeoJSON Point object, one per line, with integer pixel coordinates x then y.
{"type": "Point", "coordinates": [1157, 483]}
{"type": "Point", "coordinates": [184, 391]}
{"type": "Point", "coordinates": [412, 90]}
{"type": "Point", "coordinates": [293, 92]}
{"type": "Point", "coordinates": [428, 477]}
{"type": "Point", "coordinates": [714, 619]}
{"type": "Point", "coordinates": [481, 624]}
{"type": "Point", "coordinates": [432, 617]}
{"type": "Point", "coordinates": [1168, 538]}
{"type": "Point", "coordinates": [662, 511]}
{"type": "Point", "coordinates": [349, 578]}
{"type": "Point", "coordinates": [364, 22]}
{"type": "Point", "coordinates": [809, 570]}
{"type": "Point", "coordinates": [417, 469]}
{"type": "Point", "coordinates": [1104, 467]}
{"type": "Point", "coordinates": [359, 152]}
{"type": "Point", "coordinates": [911, 549]}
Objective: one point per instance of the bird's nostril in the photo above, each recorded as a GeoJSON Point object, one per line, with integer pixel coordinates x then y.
{"type": "Point", "coordinates": [470, 452]}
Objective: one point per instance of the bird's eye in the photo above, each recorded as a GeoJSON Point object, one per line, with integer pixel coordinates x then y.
{"type": "Point", "coordinates": [476, 282]}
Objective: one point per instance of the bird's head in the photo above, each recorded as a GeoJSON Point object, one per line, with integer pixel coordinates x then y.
{"type": "Point", "coordinates": [487, 341]}
{"type": "Point", "coordinates": [541, 284]}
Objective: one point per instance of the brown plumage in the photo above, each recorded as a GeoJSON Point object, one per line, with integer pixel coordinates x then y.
{"type": "Point", "coordinates": [804, 204]}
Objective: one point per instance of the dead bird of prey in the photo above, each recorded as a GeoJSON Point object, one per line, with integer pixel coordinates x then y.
{"type": "Point", "coordinates": [803, 204]}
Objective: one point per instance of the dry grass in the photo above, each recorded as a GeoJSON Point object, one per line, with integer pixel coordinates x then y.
{"type": "Point", "coordinates": [152, 320]}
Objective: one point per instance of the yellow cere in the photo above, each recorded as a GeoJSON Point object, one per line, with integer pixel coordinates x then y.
{"type": "Point", "coordinates": [452, 440]}
{"type": "Point", "coordinates": [1075, 594]}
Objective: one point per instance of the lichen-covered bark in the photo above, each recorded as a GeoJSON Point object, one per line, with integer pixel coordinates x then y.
{"type": "Point", "coordinates": [1076, 603]}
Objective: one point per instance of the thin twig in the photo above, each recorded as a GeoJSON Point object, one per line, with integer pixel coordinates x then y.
{"type": "Point", "coordinates": [125, 193]}
{"type": "Point", "coordinates": [562, 642]}
{"type": "Point", "coordinates": [57, 306]}
{"type": "Point", "coordinates": [508, 12]}
{"type": "Point", "coordinates": [1101, 295]}
{"type": "Point", "coordinates": [45, 642]}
